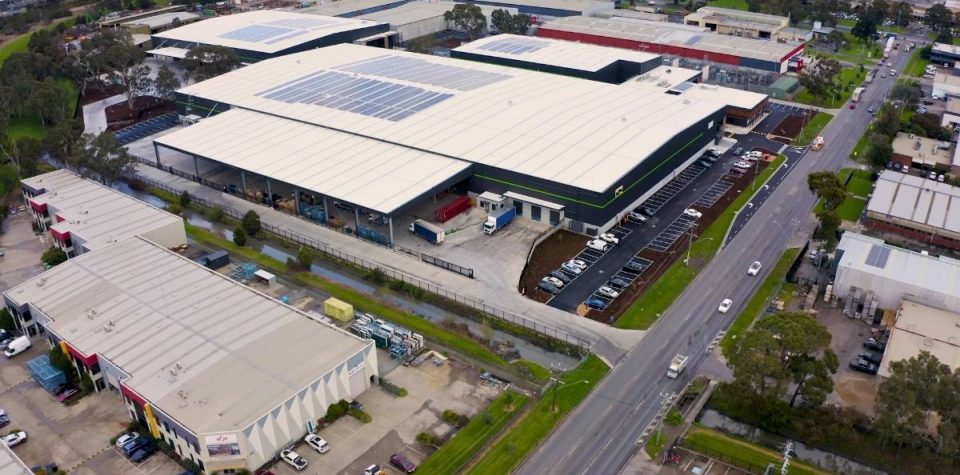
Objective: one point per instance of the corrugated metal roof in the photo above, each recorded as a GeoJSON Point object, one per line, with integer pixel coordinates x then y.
{"type": "Point", "coordinates": [164, 19]}
{"type": "Point", "coordinates": [213, 354]}
{"type": "Point", "coordinates": [566, 54]}
{"type": "Point", "coordinates": [921, 328]}
{"type": "Point", "coordinates": [916, 199]}
{"type": "Point", "coordinates": [582, 133]}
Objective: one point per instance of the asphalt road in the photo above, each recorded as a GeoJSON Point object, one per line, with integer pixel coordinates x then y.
{"type": "Point", "coordinates": [600, 436]}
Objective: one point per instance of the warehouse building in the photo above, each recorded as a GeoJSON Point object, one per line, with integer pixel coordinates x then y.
{"type": "Point", "coordinates": [672, 39]}
{"type": "Point", "coordinates": [920, 209]}
{"type": "Point", "coordinates": [635, 14]}
{"type": "Point", "coordinates": [923, 153]}
{"type": "Point", "coordinates": [348, 8]}
{"type": "Point", "coordinates": [225, 375]}
{"type": "Point", "coordinates": [944, 54]}
{"type": "Point", "coordinates": [894, 273]}
{"type": "Point", "coordinates": [116, 20]}
{"type": "Point", "coordinates": [416, 19]}
{"type": "Point", "coordinates": [728, 21]}
{"type": "Point", "coordinates": [258, 35]}
{"type": "Point", "coordinates": [10, 463]}
{"type": "Point", "coordinates": [384, 130]}
{"type": "Point", "coordinates": [922, 328]}
{"type": "Point", "coordinates": [585, 61]}
{"type": "Point", "coordinates": [946, 84]}
{"type": "Point", "coordinates": [547, 9]}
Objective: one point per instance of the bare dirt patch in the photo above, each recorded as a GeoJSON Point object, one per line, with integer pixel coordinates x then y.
{"type": "Point", "coordinates": [555, 250]}
{"type": "Point", "coordinates": [791, 125]}
{"type": "Point", "coordinates": [144, 107]}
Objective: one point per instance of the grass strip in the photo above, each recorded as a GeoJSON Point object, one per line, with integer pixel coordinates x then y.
{"type": "Point", "coordinates": [473, 437]}
{"type": "Point", "coordinates": [756, 304]}
{"type": "Point", "coordinates": [812, 128]}
{"type": "Point", "coordinates": [508, 452]}
{"type": "Point", "coordinates": [916, 65]}
{"type": "Point", "coordinates": [741, 453]}
{"type": "Point", "coordinates": [659, 296]}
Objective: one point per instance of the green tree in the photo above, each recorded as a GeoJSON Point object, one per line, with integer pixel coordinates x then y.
{"type": "Point", "coordinates": [50, 101]}
{"type": "Point", "coordinates": [865, 29]}
{"type": "Point", "coordinates": [6, 320]}
{"type": "Point", "coordinates": [53, 256]}
{"type": "Point", "coordinates": [103, 156]}
{"type": "Point", "coordinates": [166, 83]}
{"type": "Point", "coordinates": [888, 120]}
{"type": "Point", "coordinates": [59, 360]}
{"type": "Point", "coordinates": [205, 62]}
{"type": "Point", "coordinates": [915, 388]}
{"type": "Point", "coordinates": [880, 152]}
{"type": "Point", "coordinates": [837, 39]}
{"type": "Point", "coordinates": [939, 18]}
{"type": "Point", "coordinates": [304, 258]}
{"type": "Point", "coordinates": [125, 63]}
{"type": "Point", "coordinates": [184, 199]}
{"type": "Point", "coordinates": [909, 94]}
{"type": "Point", "coordinates": [827, 186]}
{"type": "Point", "coordinates": [504, 22]}
{"type": "Point", "coordinates": [251, 223]}
{"type": "Point", "coordinates": [819, 80]}
{"type": "Point", "coordinates": [827, 230]}
{"type": "Point", "coordinates": [422, 44]}
{"type": "Point", "coordinates": [86, 384]}
{"type": "Point", "coordinates": [239, 236]}
{"type": "Point", "coordinates": [64, 142]}
{"type": "Point", "coordinates": [901, 13]}
{"type": "Point", "coordinates": [467, 17]}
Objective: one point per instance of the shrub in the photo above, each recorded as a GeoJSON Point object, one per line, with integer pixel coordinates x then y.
{"type": "Point", "coordinates": [53, 256]}
{"type": "Point", "coordinates": [427, 438]}
{"type": "Point", "coordinates": [86, 384]}
{"type": "Point", "coordinates": [59, 360]}
{"type": "Point", "coordinates": [251, 223]}
{"type": "Point", "coordinates": [185, 199]}
{"type": "Point", "coordinates": [376, 276]}
{"type": "Point", "coordinates": [6, 319]}
{"type": "Point", "coordinates": [360, 415]}
{"type": "Point", "coordinates": [336, 410]}
{"type": "Point", "coordinates": [175, 208]}
{"type": "Point", "coordinates": [305, 258]}
{"type": "Point", "coordinates": [216, 214]}
{"type": "Point", "coordinates": [454, 418]}
{"type": "Point", "coordinates": [239, 236]}
{"type": "Point", "coordinates": [673, 418]}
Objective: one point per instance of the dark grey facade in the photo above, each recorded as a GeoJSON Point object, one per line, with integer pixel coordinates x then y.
{"type": "Point", "coordinates": [614, 73]}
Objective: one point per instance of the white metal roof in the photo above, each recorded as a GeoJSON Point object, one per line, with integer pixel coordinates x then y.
{"type": "Point", "coordinates": [95, 213]}
{"type": "Point", "coordinates": [673, 34]}
{"type": "Point", "coordinates": [346, 8]}
{"type": "Point", "coordinates": [583, 133]}
{"type": "Point", "coordinates": [551, 52]}
{"type": "Point", "coordinates": [170, 52]}
{"type": "Point", "coordinates": [945, 48]}
{"type": "Point", "coordinates": [666, 77]}
{"type": "Point", "coordinates": [164, 19]}
{"type": "Point", "coordinates": [265, 31]}
{"type": "Point", "coordinates": [10, 464]}
{"type": "Point", "coordinates": [409, 13]}
{"type": "Point", "coordinates": [371, 174]}
{"type": "Point", "coordinates": [916, 199]}
{"type": "Point", "coordinates": [213, 354]}
{"type": "Point", "coordinates": [922, 328]}
{"type": "Point", "coordinates": [583, 6]}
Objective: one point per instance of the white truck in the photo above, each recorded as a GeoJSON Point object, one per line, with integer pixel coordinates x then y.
{"type": "Point", "coordinates": [677, 365]}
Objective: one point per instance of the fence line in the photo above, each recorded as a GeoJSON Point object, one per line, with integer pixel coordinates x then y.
{"type": "Point", "coordinates": [322, 247]}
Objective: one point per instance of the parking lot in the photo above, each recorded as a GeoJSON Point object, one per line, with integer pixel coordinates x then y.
{"type": "Point", "coordinates": [22, 250]}
{"type": "Point", "coordinates": [851, 388]}
{"type": "Point", "coordinates": [397, 420]}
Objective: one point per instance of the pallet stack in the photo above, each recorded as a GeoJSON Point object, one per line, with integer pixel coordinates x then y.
{"type": "Point", "coordinates": [400, 341]}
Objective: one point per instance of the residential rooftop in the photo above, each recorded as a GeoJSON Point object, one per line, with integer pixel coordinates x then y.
{"type": "Point", "coordinates": [916, 199]}
{"type": "Point", "coordinates": [263, 31]}
{"type": "Point", "coordinates": [551, 52]}
{"type": "Point", "coordinates": [922, 328]}
{"type": "Point", "coordinates": [211, 353]}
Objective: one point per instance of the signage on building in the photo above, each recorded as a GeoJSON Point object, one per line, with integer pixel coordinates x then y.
{"type": "Point", "coordinates": [222, 445]}
{"type": "Point", "coordinates": [355, 369]}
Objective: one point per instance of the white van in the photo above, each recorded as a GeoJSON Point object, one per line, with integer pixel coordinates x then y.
{"type": "Point", "coordinates": [17, 346]}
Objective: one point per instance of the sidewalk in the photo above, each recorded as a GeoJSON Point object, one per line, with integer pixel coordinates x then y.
{"type": "Point", "coordinates": [833, 112]}
{"type": "Point", "coordinates": [95, 116]}
{"type": "Point", "coordinates": [609, 343]}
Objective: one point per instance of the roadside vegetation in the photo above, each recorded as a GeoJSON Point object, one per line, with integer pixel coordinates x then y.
{"type": "Point", "coordinates": [741, 453]}
{"type": "Point", "coordinates": [527, 432]}
{"type": "Point", "coordinates": [812, 128]}
{"type": "Point", "coordinates": [760, 299]}
{"type": "Point", "coordinates": [658, 297]}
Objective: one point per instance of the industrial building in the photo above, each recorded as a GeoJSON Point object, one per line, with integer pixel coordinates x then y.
{"type": "Point", "coordinates": [141, 29]}
{"type": "Point", "coordinates": [10, 464]}
{"type": "Point", "coordinates": [727, 21]}
{"type": "Point", "coordinates": [917, 208]}
{"type": "Point", "coordinates": [226, 375]}
{"type": "Point", "coordinates": [922, 328]}
{"type": "Point", "coordinates": [924, 153]}
{"type": "Point", "coordinates": [415, 19]}
{"type": "Point", "coordinates": [115, 21]}
{"type": "Point", "coordinates": [262, 34]}
{"type": "Point", "coordinates": [382, 130]}
{"type": "Point", "coordinates": [944, 55]}
{"type": "Point", "coordinates": [546, 9]}
{"type": "Point", "coordinates": [945, 85]}
{"type": "Point", "coordinates": [348, 8]}
{"type": "Point", "coordinates": [892, 274]}
{"type": "Point", "coordinates": [672, 39]}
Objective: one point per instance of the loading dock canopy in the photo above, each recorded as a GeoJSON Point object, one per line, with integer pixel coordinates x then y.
{"type": "Point", "coordinates": [533, 201]}
{"type": "Point", "coordinates": [170, 52]}
{"type": "Point", "coordinates": [371, 174]}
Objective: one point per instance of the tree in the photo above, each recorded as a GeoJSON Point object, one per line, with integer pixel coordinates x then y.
{"type": "Point", "coordinates": [929, 123]}
{"type": "Point", "coordinates": [837, 39]}
{"type": "Point", "coordinates": [166, 83]}
{"type": "Point", "coordinates": [239, 236]}
{"type": "Point", "coordinates": [467, 17]}
{"type": "Point", "coordinates": [819, 80]}
{"type": "Point", "coordinates": [865, 29]}
{"type": "Point", "coordinates": [827, 186]}
{"type": "Point", "coordinates": [878, 10]}
{"type": "Point", "coordinates": [901, 13]}
{"type": "Point", "coordinates": [24, 153]}
{"type": "Point", "coordinates": [422, 44]}
{"type": "Point", "coordinates": [50, 101]}
{"type": "Point", "coordinates": [888, 120]}
{"type": "Point", "coordinates": [304, 258]}
{"type": "Point", "coordinates": [104, 157]}
{"type": "Point", "coordinates": [64, 142]}
{"type": "Point", "coordinates": [909, 94]}
{"type": "Point", "coordinates": [813, 378]}
{"type": "Point", "coordinates": [915, 387]}
{"type": "Point", "coordinates": [251, 223]}
{"type": "Point", "coordinates": [53, 256]}
{"type": "Point", "coordinates": [945, 36]}
{"type": "Point", "coordinates": [504, 22]}
{"type": "Point", "coordinates": [125, 63]}
{"type": "Point", "coordinates": [880, 152]}
{"type": "Point", "coordinates": [6, 320]}
{"type": "Point", "coordinates": [184, 199]}
{"type": "Point", "coordinates": [205, 62]}
{"type": "Point", "coordinates": [827, 229]}
{"type": "Point", "coordinates": [59, 360]}
{"type": "Point", "coordinates": [938, 17]}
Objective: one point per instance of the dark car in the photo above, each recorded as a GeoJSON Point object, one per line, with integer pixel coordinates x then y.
{"type": "Point", "coordinates": [873, 345]}
{"type": "Point", "coordinates": [261, 471]}
{"type": "Point", "coordinates": [710, 158]}
{"type": "Point", "coordinates": [596, 304]}
{"type": "Point", "coordinates": [144, 453]}
{"type": "Point", "coordinates": [559, 274]}
{"type": "Point", "coordinates": [617, 283]}
{"type": "Point", "coordinates": [548, 287]}
{"type": "Point", "coordinates": [356, 405]}
{"type": "Point", "coordinates": [704, 163]}
{"type": "Point", "coordinates": [863, 366]}
{"type": "Point", "coordinates": [5, 340]}
{"type": "Point", "coordinates": [737, 151]}
{"type": "Point", "coordinates": [403, 463]}
{"type": "Point", "coordinates": [644, 210]}
{"type": "Point", "coordinates": [634, 266]}
{"type": "Point", "coordinates": [871, 357]}
{"type": "Point", "coordinates": [4, 418]}
{"type": "Point", "coordinates": [134, 445]}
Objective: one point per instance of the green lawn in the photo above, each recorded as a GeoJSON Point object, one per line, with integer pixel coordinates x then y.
{"type": "Point", "coordinates": [861, 147]}
{"type": "Point", "coordinates": [473, 437]}
{"type": "Point", "coordinates": [860, 185]}
{"type": "Point", "coordinates": [759, 299]}
{"type": "Point", "coordinates": [849, 79]}
{"type": "Point", "coordinates": [655, 444]}
{"type": "Point", "coordinates": [538, 372]}
{"type": "Point", "coordinates": [740, 452]}
{"type": "Point", "coordinates": [19, 44]}
{"type": "Point", "coordinates": [734, 4]}
{"type": "Point", "coordinates": [659, 296]}
{"type": "Point", "coordinates": [21, 127]}
{"type": "Point", "coordinates": [537, 424]}
{"type": "Point", "coordinates": [812, 129]}
{"type": "Point", "coordinates": [916, 65]}
{"type": "Point", "coordinates": [850, 208]}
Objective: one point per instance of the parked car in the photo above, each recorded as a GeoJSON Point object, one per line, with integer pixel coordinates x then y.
{"type": "Point", "coordinates": [754, 268]}
{"type": "Point", "coordinates": [933, 175]}
{"type": "Point", "coordinates": [713, 152]}
{"type": "Point", "coordinates": [941, 178]}
{"type": "Point", "coordinates": [548, 287]}
{"type": "Point", "coordinates": [710, 158]}
{"type": "Point", "coordinates": [598, 245]}
{"type": "Point", "coordinates": [636, 216]}
{"type": "Point", "coordinates": [893, 72]}
{"type": "Point", "coordinates": [343, 206]}
{"type": "Point", "coordinates": [922, 110]}
{"type": "Point", "coordinates": [596, 304]}
{"type": "Point", "coordinates": [863, 366]}
{"type": "Point", "coordinates": [634, 266]}
{"type": "Point", "coordinates": [293, 459]}
{"type": "Point", "coordinates": [737, 150]}
{"type": "Point", "coordinates": [608, 291]}
{"type": "Point", "coordinates": [755, 154]}
{"type": "Point", "coordinates": [134, 445]}
{"type": "Point", "coordinates": [128, 437]}
{"type": "Point", "coordinates": [742, 164]}
{"type": "Point", "coordinates": [618, 283]}
{"type": "Point", "coordinates": [704, 163]}
{"type": "Point", "coordinates": [610, 237]}
{"type": "Point", "coordinates": [557, 273]}
{"type": "Point", "coordinates": [871, 110]}
{"type": "Point", "coordinates": [317, 442]}
{"type": "Point", "coordinates": [873, 344]}
{"type": "Point", "coordinates": [144, 453]}
{"type": "Point", "coordinates": [738, 171]}
{"type": "Point", "coordinates": [5, 342]}
{"type": "Point", "coordinates": [67, 393]}
{"type": "Point", "coordinates": [693, 213]}
{"type": "Point", "coordinates": [4, 418]}
{"type": "Point", "coordinates": [870, 357]}
{"type": "Point", "coordinates": [15, 439]}
{"type": "Point", "coordinates": [572, 268]}
{"type": "Point", "coordinates": [403, 463]}
{"type": "Point", "coordinates": [725, 305]}
{"type": "Point", "coordinates": [647, 211]}
{"type": "Point", "coordinates": [553, 280]}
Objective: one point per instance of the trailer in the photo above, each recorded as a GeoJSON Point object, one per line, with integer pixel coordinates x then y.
{"type": "Point", "coordinates": [455, 207]}
{"type": "Point", "coordinates": [433, 234]}
{"type": "Point", "coordinates": [677, 365]}
{"type": "Point", "coordinates": [499, 219]}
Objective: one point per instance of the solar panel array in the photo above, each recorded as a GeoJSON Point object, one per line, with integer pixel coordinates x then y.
{"type": "Point", "coordinates": [514, 46]}
{"type": "Point", "coordinates": [262, 34]}
{"type": "Point", "coordinates": [877, 257]}
{"type": "Point", "coordinates": [345, 92]}
{"type": "Point", "coordinates": [425, 72]}
{"type": "Point", "coordinates": [304, 23]}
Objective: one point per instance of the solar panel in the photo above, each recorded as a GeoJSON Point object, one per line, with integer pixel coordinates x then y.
{"type": "Point", "coordinates": [358, 95]}
{"type": "Point", "coordinates": [877, 257]}
{"type": "Point", "coordinates": [304, 23]}
{"type": "Point", "coordinates": [256, 33]}
{"type": "Point", "coordinates": [425, 72]}
{"type": "Point", "coordinates": [514, 46]}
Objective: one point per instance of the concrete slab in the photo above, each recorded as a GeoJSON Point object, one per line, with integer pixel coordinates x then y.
{"type": "Point", "coordinates": [94, 115]}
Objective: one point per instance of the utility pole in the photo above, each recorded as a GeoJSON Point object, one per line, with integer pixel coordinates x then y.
{"type": "Point", "coordinates": [786, 457]}
{"type": "Point", "coordinates": [666, 399]}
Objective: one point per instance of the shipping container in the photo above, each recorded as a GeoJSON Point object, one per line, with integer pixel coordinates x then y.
{"type": "Point", "coordinates": [455, 207]}
{"type": "Point", "coordinates": [338, 309]}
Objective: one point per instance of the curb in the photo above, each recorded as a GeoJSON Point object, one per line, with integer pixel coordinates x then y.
{"type": "Point", "coordinates": [723, 243]}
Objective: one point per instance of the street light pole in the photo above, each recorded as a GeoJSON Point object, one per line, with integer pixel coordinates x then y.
{"type": "Point", "coordinates": [690, 243]}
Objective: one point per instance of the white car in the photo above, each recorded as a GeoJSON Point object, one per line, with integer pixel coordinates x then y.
{"type": "Point", "coordinates": [610, 237]}
{"type": "Point", "coordinates": [553, 280]}
{"type": "Point", "coordinates": [572, 268]}
{"type": "Point", "coordinates": [893, 72]}
{"type": "Point", "coordinates": [15, 438]}
{"type": "Point", "coordinates": [755, 154]}
{"type": "Point", "coordinates": [294, 460]}
{"type": "Point", "coordinates": [693, 213]}
{"type": "Point", "coordinates": [607, 291]}
{"type": "Point", "coordinates": [889, 63]}
{"type": "Point", "coordinates": [123, 439]}
{"type": "Point", "coordinates": [636, 216]}
{"type": "Point", "coordinates": [725, 305]}
{"type": "Point", "coordinates": [598, 245]}
{"type": "Point", "coordinates": [317, 442]}
{"type": "Point", "coordinates": [742, 164]}
{"type": "Point", "coordinates": [754, 268]}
